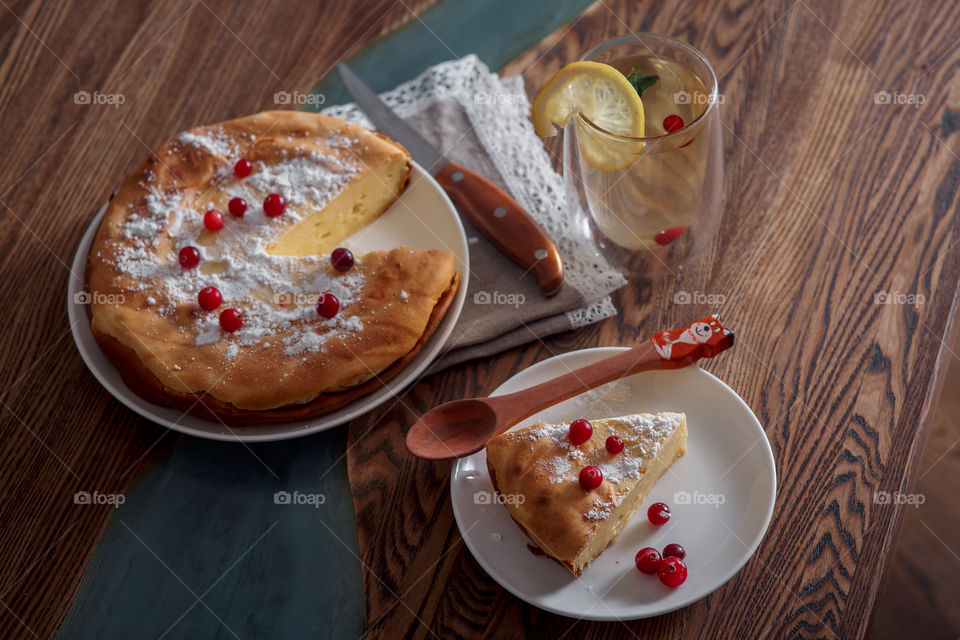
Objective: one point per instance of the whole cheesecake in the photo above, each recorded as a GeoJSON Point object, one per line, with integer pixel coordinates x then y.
{"type": "Point", "coordinates": [255, 209]}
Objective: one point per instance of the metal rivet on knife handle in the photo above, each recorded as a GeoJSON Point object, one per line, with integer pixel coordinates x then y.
{"type": "Point", "coordinates": [516, 234]}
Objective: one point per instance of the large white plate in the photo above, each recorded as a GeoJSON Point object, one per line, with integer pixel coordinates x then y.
{"type": "Point", "coordinates": [721, 493]}
{"type": "Point", "coordinates": [423, 217]}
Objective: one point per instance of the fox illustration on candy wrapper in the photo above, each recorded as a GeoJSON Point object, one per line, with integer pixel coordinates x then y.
{"type": "Point", "coordinates": [703, 338]}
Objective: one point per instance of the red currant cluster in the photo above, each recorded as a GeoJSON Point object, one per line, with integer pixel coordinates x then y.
{"type": "Point", "coordinates": [327, 304]}
{"type": "Point", "coordinates": [669, 565]}
{"type": "Point", "coordinates": [274, 205]}
{"type": "Point", "coordinates": [210, 298]}
{"type": "Point", "coordinates": [580, 431]}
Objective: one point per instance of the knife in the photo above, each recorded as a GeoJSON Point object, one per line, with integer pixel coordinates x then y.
{"type": "Point", "coordinates": [491, 210]}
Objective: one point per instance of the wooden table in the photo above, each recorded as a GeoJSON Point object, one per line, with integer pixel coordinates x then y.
{"type": "Point", "coordinates": [833, 195]}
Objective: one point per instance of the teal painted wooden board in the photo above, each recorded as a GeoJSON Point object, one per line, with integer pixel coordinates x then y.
{"type": "Point", "coordinates": [495, 30]}
{"type": "Point", "coordinates": [204, 522]}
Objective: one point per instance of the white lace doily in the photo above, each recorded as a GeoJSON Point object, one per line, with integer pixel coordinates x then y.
{"type": "Point", "coordinates": [497, 109]}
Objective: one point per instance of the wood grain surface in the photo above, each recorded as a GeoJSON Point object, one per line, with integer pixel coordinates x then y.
{"type": "Point", "coordinates": [830, 199]}
{"type": "Point", "coordinates": [918, 599]}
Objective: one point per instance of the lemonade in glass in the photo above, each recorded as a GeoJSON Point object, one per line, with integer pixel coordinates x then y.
{"type": "Point", "coordinates": [642, 149]}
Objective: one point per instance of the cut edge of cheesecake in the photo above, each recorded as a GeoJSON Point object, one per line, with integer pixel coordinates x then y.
{"type": "Point", "coordinates": [567, 523]}
{"type": "Point", "coordinates": [362, 201]}
{"type": "Point", "coordinates": [674, 447]}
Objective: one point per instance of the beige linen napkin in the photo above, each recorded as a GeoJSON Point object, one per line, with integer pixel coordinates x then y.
{"type": "Point", "coordinates": [480, 121]}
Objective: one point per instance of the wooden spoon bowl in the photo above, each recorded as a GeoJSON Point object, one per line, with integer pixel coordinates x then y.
{"type": "Point", "coordinates": [463, 427]}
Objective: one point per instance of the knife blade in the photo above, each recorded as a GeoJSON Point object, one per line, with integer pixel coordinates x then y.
{"type": "Point", "coordinates": [491, 210]}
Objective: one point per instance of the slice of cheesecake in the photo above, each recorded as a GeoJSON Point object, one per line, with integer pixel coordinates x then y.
{"type": "Point", "coordinates": [536, 471]}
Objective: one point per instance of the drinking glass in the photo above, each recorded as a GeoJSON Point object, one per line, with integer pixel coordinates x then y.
{"type": "Point", "coordinates": [651, 203]}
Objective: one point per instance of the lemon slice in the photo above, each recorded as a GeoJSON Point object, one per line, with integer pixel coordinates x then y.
{"type": "Point", "coordinates": [605, 97]}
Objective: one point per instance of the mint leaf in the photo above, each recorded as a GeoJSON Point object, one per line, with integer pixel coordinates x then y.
{"type": "Point", "coordinates": [640, 81]}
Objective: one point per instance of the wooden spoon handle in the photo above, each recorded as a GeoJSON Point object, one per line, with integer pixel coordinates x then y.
{"type": "Point", "coordinates": [705, 338]}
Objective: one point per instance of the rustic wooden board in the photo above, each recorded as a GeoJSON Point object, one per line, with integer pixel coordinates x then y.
{"type": "Point", "coordinates": [495, 31]}
{"type": "Point", "coordinates": [218, 540]}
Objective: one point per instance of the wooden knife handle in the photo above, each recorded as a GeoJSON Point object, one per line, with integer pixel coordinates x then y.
{"type": "Point", "coordinates": [504, 223]}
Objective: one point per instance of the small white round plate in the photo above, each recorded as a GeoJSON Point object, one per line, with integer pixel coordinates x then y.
{"type": "Point", "coordinates": [422, 217]}
{"type": "Point", "coordinates": [721, 494]}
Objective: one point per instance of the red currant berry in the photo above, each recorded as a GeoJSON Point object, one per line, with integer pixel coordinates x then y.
{"type": "Point", "coordinates": [667, 236]}
{"type": "Point", "coordinates": [590, 478]}
{"type": "Point", "coordinates": [672, 572]}
{"type": "Point", "coordinates": [328, 305]}
{"type": "Point", "coordinates": [209, 298]}
{"type": "Point", "coordinates": [580, 431]}
{"type": "Point", "coordinates": [647, 560]}
{"type": "Point", "coordinates": [237, 207]}
{"type": "Point", "coordinates": [213, 220]}
{"type": "Point", "coordinates": [341, 259]}
{"type": "Point", "coordinates": [230, 320]}
{"type": "Point", "coordinates": [273, 205]}
{"type": "Point", "coordinates": [189, 257]}
{"type": "Point", "coordinates": [243, 168]}
{"type": "Point", "coordinates": [674, 550]}
{"type": "Point", "coordinates": [658, 514]}
{"type": "Point", "coordinates": [614, 445]}
{"type": "Point", "coordinates": [672, 123]}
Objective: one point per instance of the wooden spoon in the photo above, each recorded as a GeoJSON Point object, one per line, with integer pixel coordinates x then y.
{"type": "Point", "coordinates": [462, 427]}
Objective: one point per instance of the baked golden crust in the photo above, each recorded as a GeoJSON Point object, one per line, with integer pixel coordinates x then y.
{"type": "Point", "coordinates": [286, 363]}
{"type": "Point", "coordinates": [139, 379]}
{"type": "Point", "coordinates": [566, 522]}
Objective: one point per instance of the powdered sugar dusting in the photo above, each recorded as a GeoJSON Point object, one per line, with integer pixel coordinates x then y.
{"type": "Point", "coordinates": [147, 227]}
{"type": "Point", "coordinates": [556, 431]}
{"type": "Point", "coordinates": [312, 342]}
{"type": "Point", "coordinates": [652, 430]}
{"type": "Point", "coordinates": [644, 435]}
{"type": "Point", "coordinates": [273, 292]}
{"type": "Point", "coordinates": [601, 510]}
{"type": "Point", "coordinates": [559, 468]}
{"type": "Point", "coordinates": [214, 141]}
{"type": "Point", "coordinates": [208, 337]}
{"type": "Point", "coordinates": [314, 179]}
{"type": "Point", "coordinates": [622, 466]}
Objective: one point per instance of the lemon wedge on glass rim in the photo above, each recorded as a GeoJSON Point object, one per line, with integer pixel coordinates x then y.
{"type": "Point", "coordinates": [605, 97]}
